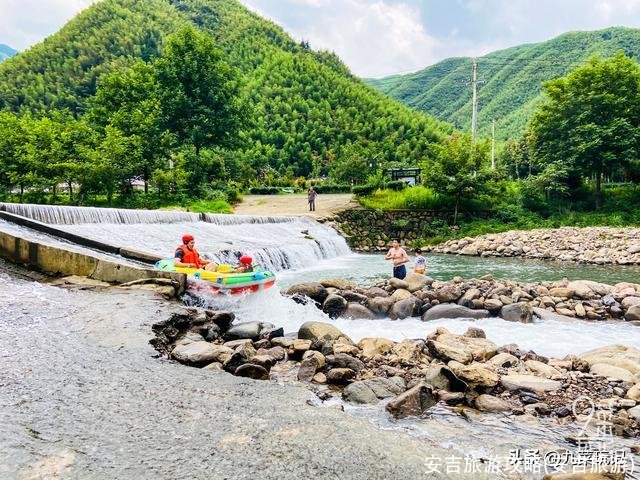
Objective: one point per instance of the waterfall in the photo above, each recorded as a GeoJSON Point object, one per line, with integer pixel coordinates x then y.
{"type": "Point", "coordinates": [276, 243]}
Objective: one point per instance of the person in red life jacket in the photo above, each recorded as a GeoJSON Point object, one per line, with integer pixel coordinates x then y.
{"type": "Point", "coordinates": [246, 265]}
{"type": "Point", "coordinates": [187, 256]}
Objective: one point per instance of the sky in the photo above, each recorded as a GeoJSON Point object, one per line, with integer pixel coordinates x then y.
{"type": "Point", "coordinates": [378, 37]}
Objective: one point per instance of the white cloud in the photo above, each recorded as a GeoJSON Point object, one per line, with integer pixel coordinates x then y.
{"type": "Point", "coordinates": [373, 37]}
{"type": "Point", "coordinates": [26, 22]}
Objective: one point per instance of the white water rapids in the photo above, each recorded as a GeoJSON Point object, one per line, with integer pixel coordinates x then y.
{"type": "Point", "coordinates": [300, 249]}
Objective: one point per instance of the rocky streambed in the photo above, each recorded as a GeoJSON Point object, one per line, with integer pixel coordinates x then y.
{"type": "Point", "coordinates": [597, 245]}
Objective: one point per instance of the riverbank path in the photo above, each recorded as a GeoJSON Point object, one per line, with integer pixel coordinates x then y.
{"type": "Point", "coordinates": [293, 204]}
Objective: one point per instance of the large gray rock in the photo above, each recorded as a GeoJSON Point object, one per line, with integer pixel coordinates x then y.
{"type": "Point", "coordinates": [373, 389]}
{"type": "Point", "coordinates": [342, 360]}
{"type": "Point", "coordinates": [334, 305]}
{"type": "Point", "coordinates": [409, 307]}
{"type": "Point", "coordinates": [200, 353]}
{"type": "Point", "coordinates": [413, 402]}
{"type": "Point", "coordinates": [491, 404]}
{"type": "Point", "coordinates": [415, 281]}
{"type": "Point", "coordinates": [633, 314]}
{"type": "Point", "coordinates": [357, 311]}
{"type": "Point", "coordinates": [314, 290]}
{"type": "Point", "coordinates": [451, 310]}
{"type": "Point", "coordinates": [517, 312]}
{"type": "Point", "coordinates": [469, 296]}
{"type": "Point", "coordinates": [448, 293]}
{"type": "Point", "coordinates": [251, 330]}
{"type": "Point", "coordinates": [374, 292]}
{"type": "Point", "coordinates": [380, 305]}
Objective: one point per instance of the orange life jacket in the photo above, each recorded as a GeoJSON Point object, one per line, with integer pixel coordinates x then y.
{"type": "Point", "coordinates": [190, 256]}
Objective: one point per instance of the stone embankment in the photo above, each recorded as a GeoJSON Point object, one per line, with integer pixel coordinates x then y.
{"type": "Point", "coordinates": [413, 375]}
{"type": "Point", "coordinates": [598, 245]}
{"type": "Point", "coordinates": [418, 295]}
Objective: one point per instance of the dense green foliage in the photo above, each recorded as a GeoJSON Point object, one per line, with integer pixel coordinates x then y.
{"type": "Point", "coordinates": [271, 110]}
{"type": "Point", "coordinates": [512, 79]}
{"type": "Point", "coordinates": [6, 52]}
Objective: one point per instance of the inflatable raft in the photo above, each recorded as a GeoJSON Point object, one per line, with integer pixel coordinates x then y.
{"type": "Point", "coordinates": [220, 281]}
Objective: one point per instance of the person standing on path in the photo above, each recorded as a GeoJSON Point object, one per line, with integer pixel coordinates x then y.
{"type": "Point", "coordinates": [399, 257]}
{"type": "Point", "coordinates": [311, 198]}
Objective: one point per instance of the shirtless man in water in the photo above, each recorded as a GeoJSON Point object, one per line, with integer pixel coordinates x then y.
{"type": "Point", "coordinates": [399, 257]}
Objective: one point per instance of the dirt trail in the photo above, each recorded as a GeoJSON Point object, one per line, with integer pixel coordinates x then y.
{"type": "Point", "coordinates": [293, 204]}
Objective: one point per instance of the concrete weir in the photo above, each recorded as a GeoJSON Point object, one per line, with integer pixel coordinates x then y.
{"type": "Point", "coordinates": [58, 261]}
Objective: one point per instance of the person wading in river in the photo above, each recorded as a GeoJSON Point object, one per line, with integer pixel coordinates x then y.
{"type": "Point", "coordinates": [187, 256]}
{"type": "Point", "coordinates": [399, 257]}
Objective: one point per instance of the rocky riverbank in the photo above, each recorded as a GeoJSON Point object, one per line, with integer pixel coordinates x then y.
{"type": "Point", "coordinates": [462, 371]}
{"type": "Point", "coordinates": [418, 295]}
{"type": "Point", "coordinates": [597, 245]}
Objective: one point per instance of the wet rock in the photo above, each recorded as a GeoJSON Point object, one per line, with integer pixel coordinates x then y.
{"type": "Point", "coordinates": [356, 297]}
{"type": "Point", "coordinates": [451, 310]}
{"type": "Point", "coordinates": [340, 376]}
{"type": "Point", "coordinates": [321, 332]}
{"type": "Point", "coordinates": [249, 330]}
{"type": "Point", "coordinates": [413, 402]}
{"type": "Point", "coordinates": [398, 283]}
{"type": "Point", "coordinates": [529, 382]}
{"type": "Point", "coordinates": [409, 307]}
{"type": "Point", "coordinates": [380, 305]}
{"type": "Point", "coordinates": [269, 333]}
{"type": "Point", "coordinates": [212, 333]}
{"type": "Point", "coordinates": [357, 311]}
{"type": "Point", "coordinates": [313, 290]}
{"type": "Point", "coordinates": [221, 319]}
{"type": "Point", "coordinates": [199, 353]}
{"type": "Point", "coordinates": [374, 346]}
{"type": "Point", "coordinates": [250, 370]}
{"type": "Point", "coordinates": [339, 283]}
{"type": "Point", "coordinates": [334, 305]}
{"type": "Point", "coordinates": [517, 312]}
{"type": "Point", "coordinates": [342, 360]}
{"type": "Point", "coordinates": [491, 404]}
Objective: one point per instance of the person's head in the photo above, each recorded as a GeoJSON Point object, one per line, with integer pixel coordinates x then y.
{"type": "Point", "coordinates": [395, 243]}
{"type": "Point", "coordinates": [418, 251]}
{"type": "Point", "coordinates": [188, 240]}
{"type": "Point", "coordinates": [246, 260]}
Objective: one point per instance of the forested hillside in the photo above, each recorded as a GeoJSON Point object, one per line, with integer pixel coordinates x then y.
{"type": "Point", "coordinates": [6, 51]}
{"type": "Point", "coordinates": [304, 108]}
{"type": "Point", "coordinates": [512, 79]}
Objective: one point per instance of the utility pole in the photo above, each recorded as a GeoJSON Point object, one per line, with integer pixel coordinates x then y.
{"type": "Point", "coordinates": [493, 144]}
{"type": "Point", "coordinates": [474, 101]}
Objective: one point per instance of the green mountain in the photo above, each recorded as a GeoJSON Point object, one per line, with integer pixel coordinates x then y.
{"type": "Point", "coordinates": [512, 79]}
{"type": "Point", "coordinates": [306, 106]}
{"type": "Point", "coordinates": [6, 52]}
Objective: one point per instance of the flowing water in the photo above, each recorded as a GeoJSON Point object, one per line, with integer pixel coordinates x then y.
{"type": "Point", "coordinates": [302, 250]}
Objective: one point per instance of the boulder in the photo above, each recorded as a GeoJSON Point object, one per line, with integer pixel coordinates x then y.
{"type": "Point", "coordinates": [321, 332]}
{"type": "Point", "coordinates": [265, 361]}
{"type": "Point", "coordinates": [628, 302]}
{"type": "Point", "coordinates": [479, 349]}
{"type": "Point", "coordinates": [451, 310]}
{"type": "Point", "coordinates": [409, 307]}
{"type": "Point", "coordinates": [340, 376]}
{"type": "Point", "coordinates": [615, 355]}
{"type": "Point", "coordinates": [447, 352]}
{"type": "Point", "coordinates": [356, 311]}
{"type": "Point", "coordinates": [339, 283]}
{"type": "Point", "coordinates": [220, 318]}
{"type": "Point", "coordinates": [491, 404]}
{"type": "Point", "coordinates": [517, 312]}
{"type": "Point", "coordinates": [475, 374]}
{"type": "Point", "coordinates": [374, 292]}
{"type": "Point", "coordinates": [562, 292]}
{"type": "Point", "coordinates": [334, 305]}
{"type": "Point", "coordinates": [529, 382]}
{"type": "Point", "coordinates": [380, 305]}
{"type": "Point", "coordinates": [375, 346]}
{"type": "Point", "coordinates": [397, 283]}
{"type": "Point", "coordinates": [373, 389]}
{"type": "Point", "coordinates": [469, 296]}
{"type": "Point", "coordinates": [356, 297]}
{"type": "Point", "coordinates": [634, 393]}
{"type": "Point", "coordinates": [400, 294]}
{"type": "Point", "coordinates": [252, 371]}
{"type": "Point", "coordinates": [493, 305]}
{"type": "Point", "coordinates": [413, 402]}
{"type": "Point", "coordinates": [251, 330]}
{"type": "Point", "coordinates": [610, 371]}
{"type": "Point", "coordinates": [448, 293]}
{"type": "Point", "coordinates": [633, 314]}
{"type": "Point", "coordinates": [313, 290]}
{"type": "Point", "coordinates": [408, 350]}
{"type": "Point", "coordinates": [359, 392]}
{"type": "Point", "coordinates": [542, 369]}
{"type": "Point", "coordinates": [415, 281]}
{"type": "Point", "coordinates": [200, 353]}
{"type": "Point", "coordinates": [587, 289]}
{"type": "Point", "coordinates": [502, 360]}
{"type": "Point", "coordinates": [342, 360]}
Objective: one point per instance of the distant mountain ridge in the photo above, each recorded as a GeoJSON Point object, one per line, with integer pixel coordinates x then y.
{"type": "Point", "coordinates": [6, 52]}
{"type": "Point", "coordinates": [512, 79]}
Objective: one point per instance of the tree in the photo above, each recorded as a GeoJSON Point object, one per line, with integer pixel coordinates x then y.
{"type": "Point", "coordinates": [591, 119]}
{"type": "Point", "coordinates": [199, 92]}
{"type": "Point", "coordinates": [460, 170]}
{"type": "Point", "coordinates": [351, 165]}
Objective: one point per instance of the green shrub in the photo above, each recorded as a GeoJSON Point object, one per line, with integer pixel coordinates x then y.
{"type": "Point", "coordinates": [264, 190]}
{"type": "Point", "coordinates": [396, 185]}
{"type": "Point", "coordinates": [363, 189]}
{"type": "Point", "coordinates": [332, 188]}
